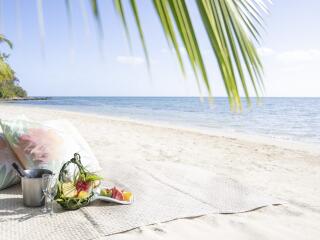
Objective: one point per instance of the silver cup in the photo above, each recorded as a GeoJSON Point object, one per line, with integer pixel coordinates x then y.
{"type": "Point", "coordinates": [31, 187]}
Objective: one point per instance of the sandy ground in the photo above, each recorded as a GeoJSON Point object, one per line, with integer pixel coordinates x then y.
{"type": "Point", "coordinates": [287, 171]}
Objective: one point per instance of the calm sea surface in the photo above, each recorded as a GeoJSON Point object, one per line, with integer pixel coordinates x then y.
{"type": "Point", "coordinates": [295, 119]}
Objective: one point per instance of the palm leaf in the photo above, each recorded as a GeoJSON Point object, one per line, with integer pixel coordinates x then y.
{"type": "Point", "coordinates": [141, 35]}
{"type": "Point", "coordinates": [120, 10]}
{"type": "Point", "coordinates": [96, 13]}
{"type": "Point", "coordinates": [167, 25]}
{"type": "Point", "coordinates": [5, 40]}
{"type": "Point", "coordinates": [85, 17]}
{"type": "Point", "coordinates": [67, 2]}
{"type": "Point", "coordinates": [231, 26]}
{"type": "Point", "coordinates": [187, 33]}
{"type": "Point", "coordinates": [6, 73]}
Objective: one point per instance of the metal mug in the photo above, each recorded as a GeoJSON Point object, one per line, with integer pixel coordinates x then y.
{"type": "Point", "coordinates": [31, 187]}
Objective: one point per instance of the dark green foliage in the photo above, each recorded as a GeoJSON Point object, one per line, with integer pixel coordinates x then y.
{"type": "Point", "coordinates": [9, 84]}
{"type": "Point", "coordinates": [11, 89]}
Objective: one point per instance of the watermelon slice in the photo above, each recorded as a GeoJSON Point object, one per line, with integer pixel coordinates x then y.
{"type": "Point", "coordinates": [83, 186]}
{"type": "Point", "coordinates": [117, 194]}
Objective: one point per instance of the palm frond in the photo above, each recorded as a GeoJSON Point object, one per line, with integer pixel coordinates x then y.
{"type": "Point", "coordinates": [5, 40]}
{"type": "Point", "coordinates": [67, 2]}
{"type": "Point", "coordinates": [138, 23]}
{"type": "Point", "coordinates": [6, 73]}
{"type": "Point", "coordinates": [84, 17]}
{"type": "Point", "coordinates": [120, 10]}
{"type": "Point", "coordinates": [232, 27]}
{"type": "Point", "coordinates": [168, 28]}
{"type": "Point", "coordinates": [187, 34]}
{"type": "Point", "coordinates": [229, 28]}
{"type": "Point", "coordinates": [96, 13]}
{"type": "Point", "coordinates": [229, 25]}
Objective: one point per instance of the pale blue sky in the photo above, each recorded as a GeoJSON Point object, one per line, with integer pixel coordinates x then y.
{"type": "Point", "coordinates": [75, 66]}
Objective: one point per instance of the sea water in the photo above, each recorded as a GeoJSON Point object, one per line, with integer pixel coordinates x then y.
{"type": "Point", "coordinates": [296, 119]}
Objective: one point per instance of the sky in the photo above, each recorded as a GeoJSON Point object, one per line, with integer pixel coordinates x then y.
{"type": "Point", "coordinates": [77, 63]}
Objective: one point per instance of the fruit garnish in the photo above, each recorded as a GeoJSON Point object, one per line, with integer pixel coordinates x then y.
{"type": "Point", "coordinates": [117, 194]}
{"type": "Point", "coordinates": [127, 196]}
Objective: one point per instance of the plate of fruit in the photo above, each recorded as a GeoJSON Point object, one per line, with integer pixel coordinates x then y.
{"type": "Point", "coordinates": [113, 195]}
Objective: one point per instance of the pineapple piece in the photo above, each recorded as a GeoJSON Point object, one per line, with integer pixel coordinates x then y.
{"type": "Point", "coordinates": [69, 190]}
{"type": "Point", "coordinates": [83, 194]}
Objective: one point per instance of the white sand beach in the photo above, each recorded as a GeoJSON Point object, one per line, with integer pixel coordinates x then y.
{"type": "Point", "coordinates": [287, 171]}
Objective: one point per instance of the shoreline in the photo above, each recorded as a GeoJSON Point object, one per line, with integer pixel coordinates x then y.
{"type": "Point", "coordinates": [248, 137]}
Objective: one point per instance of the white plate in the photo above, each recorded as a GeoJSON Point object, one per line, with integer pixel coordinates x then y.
{"type": "Point", "coordinates": [109, 199]}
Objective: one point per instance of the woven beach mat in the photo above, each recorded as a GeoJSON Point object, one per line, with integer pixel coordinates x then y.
{"type": "Point", "coordinates": [163, 191]}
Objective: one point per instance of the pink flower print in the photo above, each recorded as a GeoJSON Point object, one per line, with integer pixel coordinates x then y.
{"type": "Point", "coordinates": [3, 143]}
{"type": "Point", "coordinates": [42, 145]}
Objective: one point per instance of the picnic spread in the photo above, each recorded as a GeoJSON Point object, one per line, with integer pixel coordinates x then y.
{"type": "Point", "coordinates": [125, 196]}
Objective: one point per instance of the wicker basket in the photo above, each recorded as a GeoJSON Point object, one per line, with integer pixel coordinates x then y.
{"type": "Point", "coordinates": [73, 203]}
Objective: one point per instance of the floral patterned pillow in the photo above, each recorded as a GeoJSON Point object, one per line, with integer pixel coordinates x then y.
{"type": "Point", "coordinates": [47, 145]}
{"type": "Point", "coordinates": [8, 176]}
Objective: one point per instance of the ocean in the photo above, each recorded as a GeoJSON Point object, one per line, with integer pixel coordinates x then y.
{"type": "Point", "coordinates": [296, 119]}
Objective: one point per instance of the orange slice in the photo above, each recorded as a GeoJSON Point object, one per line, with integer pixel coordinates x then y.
{"type": "Point", "coordinates": [127, 196]}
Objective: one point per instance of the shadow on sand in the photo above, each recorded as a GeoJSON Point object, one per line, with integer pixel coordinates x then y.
{"type": "Point", "coordinates": [12, 208]}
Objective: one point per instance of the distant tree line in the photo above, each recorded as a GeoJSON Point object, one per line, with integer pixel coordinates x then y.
{"type": "Point", "coordinates": [12, 89]}
{"type": "Point", "coordinates": [9, 83]}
